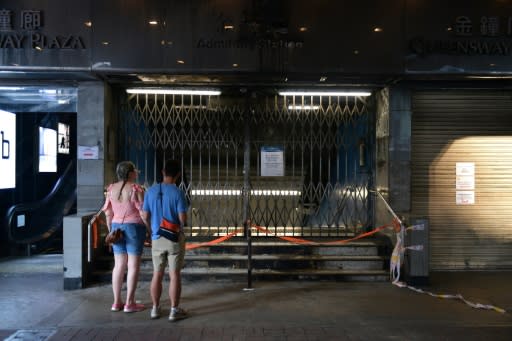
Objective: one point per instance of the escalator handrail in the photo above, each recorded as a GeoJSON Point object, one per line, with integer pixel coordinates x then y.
{"type": "Point", "coordinates": [32, 206]}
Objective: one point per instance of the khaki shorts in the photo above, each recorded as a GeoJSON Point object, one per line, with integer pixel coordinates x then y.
{"type": "Point", "coordinates": [165, 252]}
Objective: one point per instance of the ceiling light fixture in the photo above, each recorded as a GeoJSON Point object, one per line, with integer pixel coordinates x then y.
{"type": "Point", "coordinates": [150, 91]}
{"type": "Point", "coordinates": [236, 192]}
{"type": "Point", "coordinates": [488, 77]}
{"type": "Point", "coordinates": [303, 107]}
{"type": "Point", "coordinates": [153, 22]}
{"type": "Point", "coordinates": [326, 93]}
{"type": "Point", "coordinates": [11, 88]}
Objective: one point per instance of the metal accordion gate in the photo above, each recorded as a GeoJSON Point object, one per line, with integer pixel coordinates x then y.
{"type": "Point", "coordinates": [309, 159]}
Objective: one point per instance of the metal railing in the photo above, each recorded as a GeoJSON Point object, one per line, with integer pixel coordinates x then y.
{"type": "Point", "coordinates": [220, 141]}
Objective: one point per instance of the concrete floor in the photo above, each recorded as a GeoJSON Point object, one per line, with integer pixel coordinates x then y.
{"type": "Point", "coordinates": [35, 307]}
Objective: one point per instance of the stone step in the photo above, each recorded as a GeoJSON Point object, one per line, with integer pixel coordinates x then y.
{"type": "Point", "coordinates": [285, 261]}
{"type": "Point", "coordinates": [269, 247]}
{"type": "Point", "coordinates": [285, 264]}
{"type": "Point", "coordinates": [240, 275]}
{"type": "Point", "coordinates": [273, 242]}
{"type": "Point", "coordinates": [360, 260]}
{"type": "Point", "coordinates": [210, 257]}
{"type": "Point", "coordinates": [275, 261]}
{"type": "Point", "coordinates": [271, 261]}
{"type": "Point", "coordinates": [296, 272]}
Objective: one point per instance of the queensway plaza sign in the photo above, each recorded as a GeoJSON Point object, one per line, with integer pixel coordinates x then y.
{"type": "Point", "coordinates": [29, 35]}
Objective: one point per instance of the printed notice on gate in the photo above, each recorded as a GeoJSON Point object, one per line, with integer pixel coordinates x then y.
{"type": "Point", "coordinates": [465, 197]}
{"type": "Point", "coordinates": [88, 153]}
{"type": "Point", "coordinates": [272, 161]}
{"type": "Point", "coordinates": [465, 183]}
{"type": "Point", "coordinates": [464, 176]}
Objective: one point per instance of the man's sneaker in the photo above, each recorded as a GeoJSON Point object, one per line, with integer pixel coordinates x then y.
{"type": "Point", "coordinates": [155, 312]}
{"type": "Point", "coordinates": [177, 314]}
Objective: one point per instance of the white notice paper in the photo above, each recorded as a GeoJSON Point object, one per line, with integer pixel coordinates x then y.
{"type": "Point", "coordinates": [88, 153]}
{"type": "Point", "coordinates": [465, 198]}
{"type": "Point", "coordinates": [465, 175]}
{"type": "Point", "coordinates": [272, 161]}
{"type": "Point", "coordinates": [465, 183]}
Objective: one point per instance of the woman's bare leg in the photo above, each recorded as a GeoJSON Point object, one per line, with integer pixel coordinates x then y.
{"type": "Point", "coordinates": [118, 276]}
{"type": "Point", "coordinates": [132, 278]}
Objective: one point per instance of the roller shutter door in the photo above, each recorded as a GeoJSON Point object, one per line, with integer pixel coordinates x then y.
{"type": "Point", "coordinates": [464, 126]}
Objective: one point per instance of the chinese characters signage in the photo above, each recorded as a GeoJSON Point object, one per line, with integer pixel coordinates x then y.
{"type": "Point", "coordinates": [24, 31]}
{"type": "Point", "coordinates": [30, 20]}
{"type": "Point", "coordinates": [486, 27]}
{"type": "Point", "coordinates": [485, 35]}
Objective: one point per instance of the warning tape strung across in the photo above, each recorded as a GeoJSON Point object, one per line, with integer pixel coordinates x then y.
{"type": "Point", "coordinates": [190, 246]}
{"type": "Point", "coordinates": [448, 296]}
{"type": "Point", "coordinates": [310, 242]}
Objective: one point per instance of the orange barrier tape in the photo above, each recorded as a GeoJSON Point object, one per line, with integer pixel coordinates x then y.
{"type": "Point", "coordinates": [396, 225]}
{"type": "Point", "coordinates": [309, 242]}
{"type": "Point", "coordinates": [295, 240]}
{"type": "Point", "coordinates": [190, 246]}
{"type": "Point", "coordinates": [95, 231]}
{"type": "Point", "coordinates": [95, 234]}
{"type": "Point", "coordinates": [96, 221]}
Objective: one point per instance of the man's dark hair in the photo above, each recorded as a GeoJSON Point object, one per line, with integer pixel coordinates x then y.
{"type": "Point", "coordinates": [172, 168]}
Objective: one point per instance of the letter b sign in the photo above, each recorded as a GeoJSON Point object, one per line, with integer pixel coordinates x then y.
{"type": "Point", "coordinates": [7, 150]}
{"type": "Point", "coordinates": [5, 147]}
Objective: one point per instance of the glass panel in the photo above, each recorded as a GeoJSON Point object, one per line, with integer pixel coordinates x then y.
{"type": "Point", "coordinates": [45, 98]}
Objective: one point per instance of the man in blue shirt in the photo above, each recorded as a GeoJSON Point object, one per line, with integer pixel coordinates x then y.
{"type": "Point", "coordinates": [166, 200]}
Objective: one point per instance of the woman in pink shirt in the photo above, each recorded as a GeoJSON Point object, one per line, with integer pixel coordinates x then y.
{"type": "Point", "coordinates": [123, 204]}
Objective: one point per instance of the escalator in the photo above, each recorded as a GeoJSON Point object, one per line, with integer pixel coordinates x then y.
{"type": "Point", "coordinates": [39, 221]}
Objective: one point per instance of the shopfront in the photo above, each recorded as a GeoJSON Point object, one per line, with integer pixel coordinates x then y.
{"type": "Point", "coordinates": [428, 125]}
{"type": "Point", "coordinates": [460, 175]}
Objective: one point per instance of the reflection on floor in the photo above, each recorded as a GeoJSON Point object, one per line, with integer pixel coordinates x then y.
{"type": "Point", "coordinates": [51, 264]}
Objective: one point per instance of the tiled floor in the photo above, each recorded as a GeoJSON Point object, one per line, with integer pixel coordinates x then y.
{"type": "Point", "coordinates": [35, 307]}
